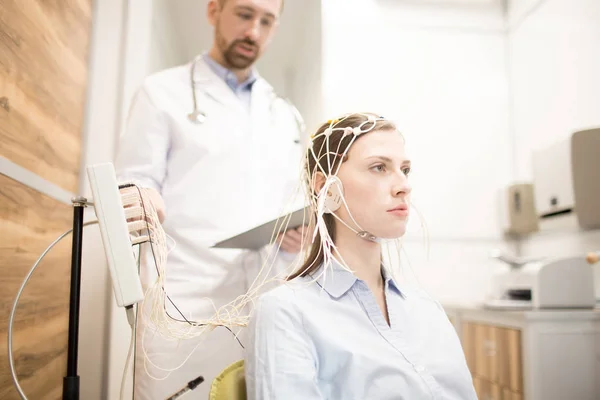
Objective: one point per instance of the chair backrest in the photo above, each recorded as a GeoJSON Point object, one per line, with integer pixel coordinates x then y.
{"type": "Point", "coordinates": [230, 384]}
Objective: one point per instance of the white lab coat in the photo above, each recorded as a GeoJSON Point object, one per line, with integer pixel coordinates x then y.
{"type": "Point", "coordinates": [218, 178]}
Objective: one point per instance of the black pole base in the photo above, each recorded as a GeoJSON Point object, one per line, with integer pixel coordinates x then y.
{"type": "Point", "coordinates": [71, 388]}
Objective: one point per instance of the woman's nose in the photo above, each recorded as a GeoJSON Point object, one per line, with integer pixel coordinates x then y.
{"type": "Point", "coordinates": [402, 186]}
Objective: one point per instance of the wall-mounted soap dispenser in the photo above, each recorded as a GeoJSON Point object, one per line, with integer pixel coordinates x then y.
{"type": "Point", "coordinates": [518, 209]}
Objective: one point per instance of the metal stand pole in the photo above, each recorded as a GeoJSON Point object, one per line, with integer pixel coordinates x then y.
{"type": "Point", "coordinates": [71, 380]}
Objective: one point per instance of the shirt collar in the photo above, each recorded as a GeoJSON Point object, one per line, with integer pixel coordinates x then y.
{"type": "Point", "coordinates": [389, 281]}
{"type": "Point", "coordinates": [337, 280]}
{"type": "Point", "coordinates": [228, 76]}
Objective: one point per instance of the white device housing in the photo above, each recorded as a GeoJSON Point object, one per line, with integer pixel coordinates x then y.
{"type": "Point", "coordinates": [555, 283]}
{"type": "Point", "coordinates": [553, 180]}
{"type": "Point", "coordinates": [115, 235]}
{"type": "Point", "coordinates": [565, 178]}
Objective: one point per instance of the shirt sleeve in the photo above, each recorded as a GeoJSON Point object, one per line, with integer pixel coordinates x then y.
{"type": "Point", "coordinates": [280, 358]}
{"type": "Point", "coordinates": [143, 149]}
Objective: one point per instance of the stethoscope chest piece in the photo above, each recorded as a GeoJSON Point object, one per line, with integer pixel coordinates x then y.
{"type": "Point", "coordinates": [197, 116]}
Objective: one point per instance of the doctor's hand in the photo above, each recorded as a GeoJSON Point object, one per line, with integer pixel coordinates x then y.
{"type": "Point", "coordinates": [151, 196]}
{"type": "Point", "coordinates": [290, 241]}
{"type": "Point", "coordinates": [157, 202]}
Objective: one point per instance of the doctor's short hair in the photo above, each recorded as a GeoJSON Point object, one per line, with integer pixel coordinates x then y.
{"type": "Point", "coordinates": [222, 3]}
{"type": "Point", "coordinates": [326, 158]}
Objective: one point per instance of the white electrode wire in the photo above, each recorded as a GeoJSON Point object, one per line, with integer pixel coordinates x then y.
{"type": "Point", "coordinates": [280, 227]}
{"type": "Point", "coordinates": [131, 319]}
{"type": "Point", "coordinates": [229, 314]}
{"type": "Point", "coordinates": [165, 325]}
{"type": "Point", "coordinates": [11, 362]}
{"type": "Point", "coordinates": [424, 228]}
{"type": "Point", "coordinates": [233, 313]}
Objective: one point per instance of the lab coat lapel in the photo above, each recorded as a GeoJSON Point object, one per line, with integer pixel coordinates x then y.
{"type": "Point", "coordinates": [257, 154]}
{"type": "Point", "coordinates": [209, 83]}
{"type": "Point", "coordinates": [260, 108]}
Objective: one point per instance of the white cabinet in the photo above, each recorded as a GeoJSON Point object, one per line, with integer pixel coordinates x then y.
{"type": "Point", "coordinates": [531, 355]}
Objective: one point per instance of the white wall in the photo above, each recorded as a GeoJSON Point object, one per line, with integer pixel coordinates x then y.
{"type": "Point", "coordinates": [153, 42]}
{"type": "Point", "coordinates": [440, 72]}
{"type": "Point", "coordinates": [555, 59]}
{"type": "Point", "coordinates": [167, 43]}
{"type": "Point", "coordinates": [554, 52]}
{"type": "Point", "coordinates": [304, 79]}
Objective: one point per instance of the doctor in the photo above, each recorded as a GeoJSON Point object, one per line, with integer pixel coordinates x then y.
{"type": "Point", "coordinates": [220, 152]}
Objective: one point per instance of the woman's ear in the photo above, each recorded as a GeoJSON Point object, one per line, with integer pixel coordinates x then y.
{"type": "Point", "coordinates": [318, 181]}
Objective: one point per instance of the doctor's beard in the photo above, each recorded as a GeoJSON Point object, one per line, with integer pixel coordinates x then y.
{"type": "Point", "coordinates": [233, 57]}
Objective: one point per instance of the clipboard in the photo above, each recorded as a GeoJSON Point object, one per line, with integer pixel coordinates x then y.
{"type": "Point", "coordinates": [257, 237]}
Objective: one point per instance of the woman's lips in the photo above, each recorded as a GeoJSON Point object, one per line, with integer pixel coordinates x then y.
{"type": "Point", "coordinates": [399, 212]}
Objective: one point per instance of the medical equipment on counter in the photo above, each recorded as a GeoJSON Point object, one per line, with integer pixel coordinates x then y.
{"type": "Point", "coordinates": [197, 116]}
{"type": "Point", "coordinates": [544, 284]}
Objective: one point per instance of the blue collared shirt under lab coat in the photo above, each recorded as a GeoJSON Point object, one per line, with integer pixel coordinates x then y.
{"type": "Point", "coordinates": [242, 90]}
{"type": "Point", "coordinates": [330, 341]}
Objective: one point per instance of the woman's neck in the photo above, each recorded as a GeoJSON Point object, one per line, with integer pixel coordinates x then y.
{"type": "Point", "coordinates": [361, 256]}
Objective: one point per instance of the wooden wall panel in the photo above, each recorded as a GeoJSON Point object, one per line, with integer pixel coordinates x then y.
{"type": "Point", "coordinates": [29, 222]}
{"type": "Point", "coordinates": [43, 76]}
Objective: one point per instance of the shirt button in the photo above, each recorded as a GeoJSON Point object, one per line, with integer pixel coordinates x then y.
{"type": "Point", "coordinates": [419, 368]}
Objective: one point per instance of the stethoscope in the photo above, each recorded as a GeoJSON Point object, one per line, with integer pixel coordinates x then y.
{"type": "Point", "coordinates": [198, 117]}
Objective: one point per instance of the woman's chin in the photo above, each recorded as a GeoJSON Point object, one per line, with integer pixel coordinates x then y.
{"type": "Point", "coordinates": [395, 233]}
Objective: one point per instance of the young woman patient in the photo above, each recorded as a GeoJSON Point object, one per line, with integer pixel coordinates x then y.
{"type": "Point", "coordinates": [342, 327]}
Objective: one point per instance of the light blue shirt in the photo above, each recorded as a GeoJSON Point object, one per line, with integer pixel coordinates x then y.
{"type": "Point", "coordinates": [242, 90]}
{"type": "Point", "coordinates": [329, 340]}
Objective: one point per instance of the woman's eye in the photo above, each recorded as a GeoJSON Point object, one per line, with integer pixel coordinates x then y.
{"type": "Point", "coordinates": [379, 168]}
{"type": "Point", "coordinates": [406, 171]}
{"type": "Point", "coordinates": [245, 16]}
{"type": "Point", "coordinates": [266, 22]}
